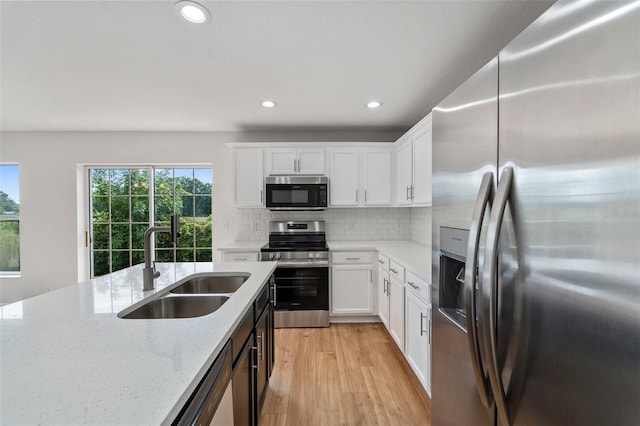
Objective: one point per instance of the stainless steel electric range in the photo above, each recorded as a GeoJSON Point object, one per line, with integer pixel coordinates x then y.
{"type": "Point", "coordinates": [302, 274]}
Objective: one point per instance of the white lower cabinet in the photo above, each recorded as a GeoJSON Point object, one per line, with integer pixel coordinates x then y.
{"type": "Point", "coordinates": [396, 312]}
{"type": "Point", "coordinates": [352, 289]}
{"type": "Point", "coordinates": [383, 296]}
{"type": "Point", "coordinates": [418, 338]}
{"type": "Point", "coordinates": [240, 256]}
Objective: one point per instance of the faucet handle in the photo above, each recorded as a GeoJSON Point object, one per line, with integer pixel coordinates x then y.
{"type": "Point", "coordinates": [156, 274]}
{"type": "Point", "coordinates": [175, 229]}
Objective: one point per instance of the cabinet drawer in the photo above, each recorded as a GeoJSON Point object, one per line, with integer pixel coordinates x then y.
{"type": "Point", "coordinates": [419, 287]}
{"type": "Point", "coordinates": [352, 257]}
{"type": "Point", "coordinates": [240, 256]}
{"type": "Point", "coordinates": [396, 271]}
{"type": "Point", "coordinates": [383, 262]}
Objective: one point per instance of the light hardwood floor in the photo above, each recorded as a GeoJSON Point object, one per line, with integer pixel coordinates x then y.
{"type": "Point", "coordinates": [347, 374]}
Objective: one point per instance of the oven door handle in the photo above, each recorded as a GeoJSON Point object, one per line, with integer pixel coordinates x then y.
{"type": "Point", "coordinates": [311, 264]}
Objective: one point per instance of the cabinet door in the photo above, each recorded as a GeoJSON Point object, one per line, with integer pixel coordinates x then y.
{"type": "Point", "coordinates": [311, 161]}
{"type": "Point", "coordinates": [262, 372]}
{"type": "Point", "coordinates": [282, 161]}
{"type": "Point", "coordinates": [240, 256]}
{"type": "Point", "coordinates": [404, 173]}
{"type": "Point", "coordinates": [243, 405]}
{"type": "Point", "coordinates": [383, 297]}
{"type": "Point", "coordinates": [343, 179]}
{"type": "Point", "coordinates": [396, 312]}
{"type": "Point", "coordinates": [377, 178]}
{"type": "Point", "coordinates": [418, 343]}
{"type": "Point", "coordinates": [422, 166]}
{"type": "Point", "coordinates": [248, 177]}
{"type": "Point", "coordinates": [352, 289]}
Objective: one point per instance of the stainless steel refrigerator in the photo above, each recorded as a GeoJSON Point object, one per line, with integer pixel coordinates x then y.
{"type": "Point", "coordinates": [536, 228]}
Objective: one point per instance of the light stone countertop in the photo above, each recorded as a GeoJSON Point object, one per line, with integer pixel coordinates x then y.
{"type": "Point", "coordinates": [411, 255]}
{"type": "Point", "coordinates": [65, 357]}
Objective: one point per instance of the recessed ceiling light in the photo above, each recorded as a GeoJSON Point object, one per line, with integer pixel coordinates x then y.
{"type": "Point", "coordinates": [374, 104]}
{"type": "Point", "coordinates": [269, 104]}
{"type": "Point", "coordinates": [193, 12]}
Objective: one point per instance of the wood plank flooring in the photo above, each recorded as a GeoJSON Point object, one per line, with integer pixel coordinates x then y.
{"type": "Point", "coordinates": [347, 374]}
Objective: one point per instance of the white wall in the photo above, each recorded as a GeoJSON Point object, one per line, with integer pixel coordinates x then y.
{"type": "Point", "coordinates": [49, 209]}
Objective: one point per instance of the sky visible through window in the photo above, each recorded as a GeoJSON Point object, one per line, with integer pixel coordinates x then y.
{"type": "Point", "coordinates": [9, 181]}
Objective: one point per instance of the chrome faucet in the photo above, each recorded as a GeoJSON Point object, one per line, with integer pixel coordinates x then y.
{"type": "Point", "coordinates": [149, 273]}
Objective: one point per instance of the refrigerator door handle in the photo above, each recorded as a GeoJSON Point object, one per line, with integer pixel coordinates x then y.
{"type": "Point", "coordinates": [489, 293]}
{"type": "Point", "coordinates": [483, 201]}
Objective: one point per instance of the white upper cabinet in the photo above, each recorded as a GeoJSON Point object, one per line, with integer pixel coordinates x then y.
{"type": "Point", "coordinates": [248, 177]}
{"type": "Point", "coordinates": [344, 182]}
{"type": "Point", "coordinates": [292, 161]}
{"type": "Point", "coordinates": [377, 177]}
{"type": "Point", "coordinates": [360, 177]}
{"type": "Point", "coordinates": [413, 165]}
{"type": "Point", "coordinates": [404, 173]}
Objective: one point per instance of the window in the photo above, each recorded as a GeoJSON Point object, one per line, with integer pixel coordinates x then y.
{"type": "Point", "coordinates": [125, 201]}
{"type": "Point", "coordinates": [9, 219]}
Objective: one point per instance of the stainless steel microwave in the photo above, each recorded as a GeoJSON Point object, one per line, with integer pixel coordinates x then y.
{"type": "Point", "coordinates": [296, 192]}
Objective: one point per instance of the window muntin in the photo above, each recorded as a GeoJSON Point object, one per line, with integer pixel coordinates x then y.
{"type": "Point", "coordinates": [9, 219]}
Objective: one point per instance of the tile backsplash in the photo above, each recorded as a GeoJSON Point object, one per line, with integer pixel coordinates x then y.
{"type": "Point", "coordinates": [344, 224]}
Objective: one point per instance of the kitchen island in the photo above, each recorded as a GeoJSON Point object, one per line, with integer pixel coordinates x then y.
{"type": "Point", "coordinates": [66, 358]}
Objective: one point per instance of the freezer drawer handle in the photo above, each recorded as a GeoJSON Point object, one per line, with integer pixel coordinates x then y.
{"type": "Point", "coordinates": [489, 290]}
{"type": "Point", "coordinates": [483, 201]}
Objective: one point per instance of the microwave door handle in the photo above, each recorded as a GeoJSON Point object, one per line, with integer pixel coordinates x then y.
{"type": "Point", "coordinates": [483, 201]}
{"type": "Point", "coordinates": [489, 290]}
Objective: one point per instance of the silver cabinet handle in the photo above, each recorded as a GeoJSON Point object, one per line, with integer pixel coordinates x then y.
{"type": "Point", "coordinates": [393, 270]}
{"type": "Point", "coordinates": [240, 258]}
{"type": "Point", "coordinates": [384, 286]}
{"type": "Point", "coordinates": [413, 285]}
{"type": "Point", "coordinates": [429, 330]}
{"type": "Point", "coordinates": [422, 316]}
{"type": "Point", "coordinates": [489, 290]}
{"type": "Point", "coordinates": [261, 196]}
{"type": "Point", "coordinates": [412, 197]}
{"type": "Point", "coordinates": [260, 339]}
{"type": "Point", "coordinates": [483, 200]}
{"type": "Point", "coordinates": [365, 195]}
{"type": "Point", "coordinates": [356, 195]}
{"type": "Point", "coordinates": [353, 258]}
{"type": "Point", "coordinates": [255, 366]}
{"type": "Point", "coordinates": [273, 287]}
{"type": "Point", "coordinates": [381, 262]}
{"type": "Point", "coordinates": [408, 193]}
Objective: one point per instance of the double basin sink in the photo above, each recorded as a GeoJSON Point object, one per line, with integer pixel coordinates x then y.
{"type": "Point", "coordinates": [194, 296]}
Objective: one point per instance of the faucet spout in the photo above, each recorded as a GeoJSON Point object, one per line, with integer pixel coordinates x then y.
{"type": "Point", "coordinates": [149, 273]}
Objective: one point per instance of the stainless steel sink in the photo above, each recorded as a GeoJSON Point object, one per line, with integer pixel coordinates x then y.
{"type": "Point", "coordinates": [207, 284]}
{"type": "Point", "coordinates": [177, 307]}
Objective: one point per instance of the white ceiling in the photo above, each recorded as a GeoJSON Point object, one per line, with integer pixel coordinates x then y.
{"type": "Point", "coordinates": [134, 65]}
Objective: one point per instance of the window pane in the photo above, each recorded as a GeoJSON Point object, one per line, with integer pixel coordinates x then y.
{"type": "Point", "coordinates": [185, 205]}
{"type": "Point", "coordinates": [119, 260]}
{"type": "Point", "coordinates": [203, 206]}
{"type": "Point", "coordinates": [137, 257]}
{"type": "Point", "coordinates": [10, 246]}
{"type": "Point", "coordinates": [100, 212]}
{"type": "Point", "coordinates": [119, 209]}
{"type": "Point", "coordinates": [100, 237]}
{"type": "Point", "coordinates": [163, 181]}
{"type": "Point", "coordinates": [164, 208]}
{"type": "Point", "coordinates": [140, 209]}
{"type": "Point", "coordinates": [139, 181]}
{"type": "Point", "coordinates": [99, 182]}
{"type": "Point", "coordinates": [184, 256]}
{"type": "Point", "coordinates": [137, 235]}
{"type": "Point", "coordinates": [204, 256]}
{"type": "Point", "coordinates": [202, 182]}
{"type": "Point", "coordinates": [203, 234]}
{"type": "Point", "coordinates": [119, 181]}
{"type": "Point", "coordinates": [183, 181]}
{"type": "Point", "coordinates": [164, 255]}
{"type": "Point", "coordinates": [119, 236]}
{"type": "Point", "coordinates": [100, 263]}
{"type": "Point", "coordinates": [163, 240]}
{"type": "Point", "coordinates": [186, 232]}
